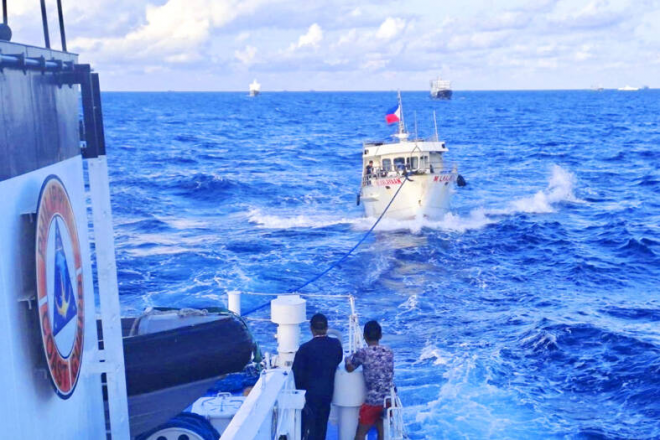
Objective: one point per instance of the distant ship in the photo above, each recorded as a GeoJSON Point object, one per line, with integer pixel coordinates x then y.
{"type": "Point", "coordinates": [628, 89]}
{"type": "Point", "coordinates": [597, 88]}
{"type": "Point", "coordinates": [441, 89]}
{"type": "Point", "coordinates": [255, 88]}
{"type": "Point", "coordinates": [645, 87]}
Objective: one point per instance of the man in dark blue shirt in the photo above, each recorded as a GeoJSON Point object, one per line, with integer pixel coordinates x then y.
{"type": "Point", "coordinates": [314, 369]}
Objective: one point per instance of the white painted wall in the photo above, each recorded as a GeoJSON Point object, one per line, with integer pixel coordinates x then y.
{"type": "Point", "coordinates": [29, 408]}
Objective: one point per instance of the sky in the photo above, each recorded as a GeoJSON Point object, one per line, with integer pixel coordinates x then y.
{"type": "Point", "coordinates": [294, 45]}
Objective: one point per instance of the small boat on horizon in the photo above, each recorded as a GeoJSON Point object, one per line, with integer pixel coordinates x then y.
{"type": "Point", "coordinates": [255, 88]}
{"type": "Point", "coordinates": [628, 89]}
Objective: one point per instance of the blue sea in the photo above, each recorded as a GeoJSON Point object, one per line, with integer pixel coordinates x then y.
{"type": "Point", "coordinates": [532, 310]}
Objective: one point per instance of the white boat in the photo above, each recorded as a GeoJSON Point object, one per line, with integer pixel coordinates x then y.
{"type": "Point", "coordinates": [440, 88]}
{"type": "Point", "coordinates": [417, 163]}
{"type": "Point", "coordinates": [628, 89]}
{"type": "Point", "coordinates": [255, 88]}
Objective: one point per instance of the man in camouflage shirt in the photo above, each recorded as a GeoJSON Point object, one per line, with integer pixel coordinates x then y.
{"type": "Point", "coordinates": [378, 364]}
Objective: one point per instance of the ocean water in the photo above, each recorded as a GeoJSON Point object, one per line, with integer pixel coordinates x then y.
{"type": "Point", "coordinates": [532, 310]}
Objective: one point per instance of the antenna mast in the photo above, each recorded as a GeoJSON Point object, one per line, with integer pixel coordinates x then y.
{"type": "Point", "coordinates": [402, 125]}
{"type": "Point", "coordinates": [436, 127]}
{"type": "Point", "coordinates": [416, 136]}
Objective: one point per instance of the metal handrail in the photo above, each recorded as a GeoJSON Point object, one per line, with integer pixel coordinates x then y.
{"type": "Point", "coordinates": [44, 22]}
{"type": "Point", "coordinates": [378, 143]}
{"type": "Point", "coordinates": [379, 173]}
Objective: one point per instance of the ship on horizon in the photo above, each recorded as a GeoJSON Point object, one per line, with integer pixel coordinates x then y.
{"type": "Point", "coordinates": [255, 88]}
{"type": "Point", "coordinates": [440, 88]}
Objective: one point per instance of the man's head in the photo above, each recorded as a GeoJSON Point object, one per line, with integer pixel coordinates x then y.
{"type": "Point", "coordinates": [371, 162]}
{"type": "Point", "coordinates": [319, 324]}
{"type": "Point", "coordinates": [372, 331]}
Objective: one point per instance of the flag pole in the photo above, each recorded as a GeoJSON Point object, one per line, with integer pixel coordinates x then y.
{"type": "Point", "coordinates": [402, 126]}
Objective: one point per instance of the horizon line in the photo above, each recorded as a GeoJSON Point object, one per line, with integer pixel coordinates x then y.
{"type": "Point", "coordinates": [367, 91]}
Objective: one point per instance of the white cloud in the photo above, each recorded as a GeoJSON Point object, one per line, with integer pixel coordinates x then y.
{"type": "Point", "coordinates": [356, 12]}
{"type": "Point", "coordinates": [584, 53]}
{"type": "Point", "coordinates": [348, 37]}
{"type": "Point", "coordinates": [246, 56]}
{"type": "Point", "coordinates": [175, 31]}
{"type": "Point", "coordinates": [521, 37]}
{"type": "Point", "coordinates": [242, 37]}
{"type": "Point", "coordinates": [390, 28]}
{"type": "Point", "coordinates": [312, 38]}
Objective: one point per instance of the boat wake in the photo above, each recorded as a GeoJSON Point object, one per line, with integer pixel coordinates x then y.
{"type": "Point", "coordinates": [266, 221]}
{"type": "Point", "coordinates": [559, 190]}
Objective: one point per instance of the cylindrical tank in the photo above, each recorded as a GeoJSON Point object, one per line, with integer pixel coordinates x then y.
{"type": "Point", "coordinates": [350, 393]}
{"type": "Point", "coordinates": [288, 312]}
{"type": "Point", "coordinates": [234, 302]}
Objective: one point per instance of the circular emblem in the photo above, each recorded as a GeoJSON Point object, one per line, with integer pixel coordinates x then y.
{"type": "Point", "coordinates": [59, 286]}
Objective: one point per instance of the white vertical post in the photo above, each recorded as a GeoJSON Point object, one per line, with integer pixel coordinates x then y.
{"type": "Point", "coordinates": [288, 312]}
{"type": "Point", "coordinates": [106, 267]}
{"type": "Point", "coordinates": [234, 302]}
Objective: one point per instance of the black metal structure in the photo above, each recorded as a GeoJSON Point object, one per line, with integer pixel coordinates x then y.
{"type": "Point", "coordinates": [60, 17]}
{"type": "Point", "coordinates": [39, 89]}
{"type": "Point", "coordinates": [44, 22]}
{"type": "Point", "coordinates": [39, 117]}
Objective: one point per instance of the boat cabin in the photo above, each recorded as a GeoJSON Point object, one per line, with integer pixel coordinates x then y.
{"type": "Point", "coordinates": [416, 156]}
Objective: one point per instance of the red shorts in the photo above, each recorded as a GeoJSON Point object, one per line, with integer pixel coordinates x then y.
{"type": "Point", "coordinates": [370, 414]}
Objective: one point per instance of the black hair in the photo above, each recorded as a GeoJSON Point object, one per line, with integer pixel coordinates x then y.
{"type": "Point", "coordinates": [319, 322]}
{"type": "Point", "coordinates": [372, 331]}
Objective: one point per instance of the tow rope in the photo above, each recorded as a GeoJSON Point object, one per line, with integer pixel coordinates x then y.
{"type": "Point", "coordinates": [345, 256]}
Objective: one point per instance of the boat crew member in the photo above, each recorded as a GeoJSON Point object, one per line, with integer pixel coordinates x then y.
{"type": "Point", "coordinates": [370, 168]}
{"type": "Point", "coordinates": [378, 364]}
{"type": "Point", "coordinates": [314, 370]}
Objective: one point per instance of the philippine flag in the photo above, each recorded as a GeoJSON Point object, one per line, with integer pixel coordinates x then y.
{"type": "Point", "coordinates": [393, 115]}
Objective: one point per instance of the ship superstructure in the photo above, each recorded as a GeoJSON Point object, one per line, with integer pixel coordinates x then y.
{"type": "Point", "coordinates": [440, 88]}
{"type": "Point", "coordinates": [255, 88]}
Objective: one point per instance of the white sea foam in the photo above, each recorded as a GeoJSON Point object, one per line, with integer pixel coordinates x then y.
{"type": "Point", "coordinates": [559, 189]}
{"type": "Point", "coordinates": [267, 221]}
{"type": "Point", "coordinates": [432, 352]}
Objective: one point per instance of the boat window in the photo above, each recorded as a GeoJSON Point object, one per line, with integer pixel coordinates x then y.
{"type": "Point", "coordinates": [399, 163]}
{"type": "Point", "coordinates": [387, 165]}
{"type": "Point", "coordinates": [414, 163]}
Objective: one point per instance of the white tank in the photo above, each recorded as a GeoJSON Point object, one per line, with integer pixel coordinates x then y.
{"type": "Point", "coordinates": [350, 393]}
{"type": "Point", "coordinates": [288, 312]}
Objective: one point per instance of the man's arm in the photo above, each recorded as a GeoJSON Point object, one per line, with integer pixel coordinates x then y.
{"type": "Point", "coordinates": [354, 361]}
{"type": "Point", "coordinates": [298, 368]}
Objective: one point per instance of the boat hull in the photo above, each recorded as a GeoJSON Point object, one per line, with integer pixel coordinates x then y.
{"type": "Point", "coordinates": [441, 94]}
{"type": "Point", "coordinates": [423, 196]}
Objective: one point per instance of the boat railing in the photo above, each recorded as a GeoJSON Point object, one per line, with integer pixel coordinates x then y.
{"type": "Point", "coordinates": [393, 424]}
{"type": "Point", "coordinates": [378, 143]}
{"type": "Point", "coordinates": [380, 173]}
